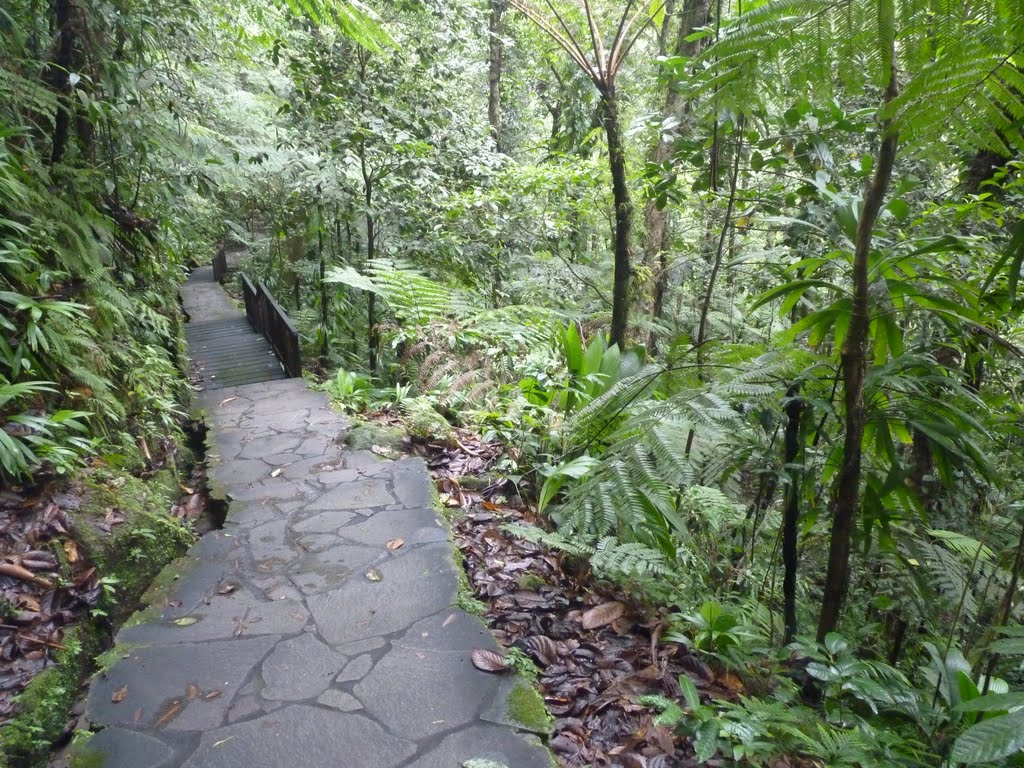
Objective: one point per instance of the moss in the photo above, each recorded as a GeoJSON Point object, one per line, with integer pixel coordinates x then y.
{"type": "Point", "coordinates": [46, 703]}
{"type": "Point", "coordinates": [530, 582]}
{"type": "Point", "coordinates": [168, 577]}
{"type": "Point", "coordinates": [87, 758]}
{"type": "Point", "coordinates": [110, 657]}
{"type": "Point", "coordinates": [84, 756]}
{"type": "Point", "coordinates": [363, 435]}
{"type": "Point", "coordinates": [134, 551]}
{"type": "Point", "coordinates": [526, 707]}
{"type": "Point", "coordinates": [423, 421]}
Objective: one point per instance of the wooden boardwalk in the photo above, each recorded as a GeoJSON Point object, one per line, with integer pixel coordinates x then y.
{"type": "Point", "coordinates": [224, 349]}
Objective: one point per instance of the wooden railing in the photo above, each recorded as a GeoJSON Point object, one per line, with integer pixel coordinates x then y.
{"type": "Point", "coordinates": [220, 265]}
{"type": "Point", "coordinates": [266, 316]}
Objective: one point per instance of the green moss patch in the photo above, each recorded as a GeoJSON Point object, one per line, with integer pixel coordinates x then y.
{"type": "Point", "coordinates": [364, 435]}
{"type": "Point", "coordinates": [423, 421]}
{"type": "Point", "coordinates": [48, 699]}
{"type": "Point", "coordinates": [526, 707]}
{"type": "Point", "coordinates": [123, 528]}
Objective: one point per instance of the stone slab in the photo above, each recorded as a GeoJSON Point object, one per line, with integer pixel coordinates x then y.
{"type": "Point", "coordinates": [120, 747]}
{"type": "Point", "coordinates": [485, 743]}
{"type": "Point", "coordinates": [414, 586]}
{"type": "Point", "coordinates": [152, 678]}
{"type": "Point", "coordinates": [302, 736]}
{"type": "Point", "coordinates": [300, 668]}
{"type": "Point", "coordinates": [428, 692]}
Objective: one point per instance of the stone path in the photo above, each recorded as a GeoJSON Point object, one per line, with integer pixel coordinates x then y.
{"type": "Point", "coordinates": [296, 637]}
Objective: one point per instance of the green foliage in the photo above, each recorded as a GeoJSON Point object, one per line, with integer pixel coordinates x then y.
{"type": "Point", "coordinates": [349, 390]}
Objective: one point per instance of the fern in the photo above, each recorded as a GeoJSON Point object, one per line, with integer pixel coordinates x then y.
{"type": "Point", "coordinates": [959, 62]}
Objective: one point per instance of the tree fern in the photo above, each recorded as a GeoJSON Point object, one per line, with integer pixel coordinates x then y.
{"type": "Point", "coordinates": [959, 62]}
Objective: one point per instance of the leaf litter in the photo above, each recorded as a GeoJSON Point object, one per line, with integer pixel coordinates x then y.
{"type": "Point", "coordinates": [597, 653]}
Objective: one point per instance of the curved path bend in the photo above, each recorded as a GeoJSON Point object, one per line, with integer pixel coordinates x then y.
{"type": "Point", "coordinates": [296, 637]}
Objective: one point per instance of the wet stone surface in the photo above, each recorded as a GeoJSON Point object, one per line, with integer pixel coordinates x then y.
{"type": "Point", "coordinates": [276, 648]}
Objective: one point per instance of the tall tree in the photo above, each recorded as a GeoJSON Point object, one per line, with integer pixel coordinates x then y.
{"type": "Point", "coordinates": [602, 63]}
{"type": "Point", "coordinates": [693, 14]}
{"type": "Point", "coordinates": [495, 47]}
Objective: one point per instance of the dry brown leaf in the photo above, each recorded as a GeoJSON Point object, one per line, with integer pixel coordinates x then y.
{"type": "Point", "coordinates": [214, 694]}
{"type": "Point", "coordinates": [395, 544]}
{"type": "Point", "coordinates": [119, 695]}
{"type": "Point", "coordinates": [374, 575]}
{"type": "Point", "coordinates": [227, 589]}
{"type": "Point", "coordinates": [71, 550]}
{"type": "Point", "coordinates": [192, 692]}
{"type": "Point", "coordinates": [170, 712]}
{"type": "Point", "coordinates": [227, 400]}
{"type": "Point", "coordinates": [543, 649]}
{"type": "Point", "coordinates": [277, 472]}
{"type": "Point", "coordinates": [489, 661]}
{"type": "Point", "coordinates": [602, 615]}
{"type": "Point", "coordinates": [18, 572]}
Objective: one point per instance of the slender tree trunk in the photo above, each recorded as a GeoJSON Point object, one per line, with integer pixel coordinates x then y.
{"type": "Point", "coordinates": [695, 13]}
{"type": "Point", "coordinates": [57, 73]}
{"type": "Point", "coordinates": [623, 217]}
{"type": "Point", "coordinates": [324, 296]}
{"type": "Point", "coordinates": [702, 327]}
{"type": "Point", "coordinates": [846, 492]}
{"type": "Point", "coordinates": [372, 339]}
{"type": "Point", "coordinates": [792, 443]}
{"type": "Point", "coordinates": [494, 73]}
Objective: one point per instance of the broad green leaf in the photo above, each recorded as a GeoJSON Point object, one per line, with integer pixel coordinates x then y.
{"type": "Point", "coordinates": [990, 740]}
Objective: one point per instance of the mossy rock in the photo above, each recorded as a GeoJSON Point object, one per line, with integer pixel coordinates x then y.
{"type": "Point", "coordinates": [128, 557]}
{"type": "Point", "coordinates": [525, 707]}
{"type": "Point", "coordinates": [44, 705]}
{"type": "Point", "coordinates": [364, 435]}
{"type": "Point", "coordinates": [423, 421]}
{"type": "Point", "coordinates": [134, 551]}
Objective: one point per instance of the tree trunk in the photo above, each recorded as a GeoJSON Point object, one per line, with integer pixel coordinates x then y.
{"type": "Point", "coordinates": [695, 14]}
{"type": "Point", "coordinates": [372, 340]}
{"type": "Point", "coordinates": [57, 74]}
{"type": "Point", "coordinates": [791, 512]}
{"type": "Point", "coordinates": [702, 328]}
{"type": "Point", "coordinates": [623, 217]}
{"type": "Point", "coordinates": [494, 73]}
{"type": "Point", "coordinates": [846, 492]}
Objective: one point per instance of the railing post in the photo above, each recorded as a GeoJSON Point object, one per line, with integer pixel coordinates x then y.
{"type": "Point", "coordinates": [220, 265]}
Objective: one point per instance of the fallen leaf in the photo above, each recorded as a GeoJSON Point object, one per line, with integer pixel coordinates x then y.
{"type": "Point", "coordinates": [277, 472]}
{"type": "Point", "coordinates": [71, 550]}
{"type": "Point", "coordinates": [374, 575]}
{"type": "Point", "coordinates": [119, 695]}
{"type": "Point", "coordinates": [227, 589]}
{"type": "Point", "coordinates": [395, 544]}
{"type": "Point", "coordinates": [227, 400]}
{"type": "Point", "coordinates": [170, 712]}
{"type": "Point", "coordinates": [214, 694]}
{"type": "Point", "coordinates": [186, 621]}
{"type": "Point", "coordinates": [223, 741]}
{"type": "Point", "coordinates": [489, 661]}
{"type": "Point", "coordinates": [543, 649]}
{"type": "Point", "coordinates": [192, 692]}
{"type": "Point", "coordinates": [381, 450]}
{"type": "Point", "coordinates": [602, 615]}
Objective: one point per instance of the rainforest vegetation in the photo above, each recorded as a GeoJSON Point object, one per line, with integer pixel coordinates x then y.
{"type": "Point", "coordinates": [735, 285]}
